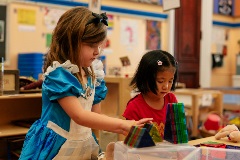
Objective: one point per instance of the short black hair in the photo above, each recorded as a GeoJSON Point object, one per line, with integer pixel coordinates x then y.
{"type": "Point", "coordinates": [144, 79]}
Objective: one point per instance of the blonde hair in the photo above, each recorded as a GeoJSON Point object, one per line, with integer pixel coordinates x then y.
{"type": "Point", "coordinates": [71, 31]}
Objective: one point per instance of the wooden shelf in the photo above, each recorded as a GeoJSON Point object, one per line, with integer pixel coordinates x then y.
{"type": "Point", "coordinates": [21, 96]}
{"type": "Point", "coordinates": [12, 130]}
{"type": "Point", "coordinates": [24, 106]}
{"type": "Point", "coordinates": [117, 97]}
{"type": "Point", "coordinates": [192, 98]}
{"type": "Point", "coordinates": [231, 97]}
{"type": "Point", "coordinates": [13, 108]}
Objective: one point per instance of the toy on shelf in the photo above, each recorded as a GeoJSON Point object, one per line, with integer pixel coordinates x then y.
{"type": "Point", "coordinates": [230, 131]}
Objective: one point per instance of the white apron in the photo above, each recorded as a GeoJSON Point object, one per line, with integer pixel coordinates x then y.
{"type": "Point", "coordinates": [80, 144]}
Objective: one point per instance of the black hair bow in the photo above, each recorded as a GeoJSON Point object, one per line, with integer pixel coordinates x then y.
{"type": "Point", "coordinates": [99, 18]}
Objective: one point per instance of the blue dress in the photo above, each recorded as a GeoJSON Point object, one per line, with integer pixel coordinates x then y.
{"type": "Point", "coordinates": [55, 135]}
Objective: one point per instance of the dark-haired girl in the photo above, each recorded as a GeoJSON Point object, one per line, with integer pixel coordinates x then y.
{"type": "Point", "coordinates": [153, 82]}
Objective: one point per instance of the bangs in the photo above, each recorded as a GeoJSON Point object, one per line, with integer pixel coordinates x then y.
{"type": "Point", "coordinates": [95, 38]}
{"type": "Point", "coordinates": [94, 33]}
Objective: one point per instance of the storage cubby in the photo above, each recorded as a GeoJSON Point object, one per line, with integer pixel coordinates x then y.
{"type": "Point", "coordinates": [28, 106]}
{"type": "Point", "coordinates": [13, 108]}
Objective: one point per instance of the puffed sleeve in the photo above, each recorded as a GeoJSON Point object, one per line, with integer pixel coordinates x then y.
{"type": "Point", "coordinates": [59, 83]}
{"type": "Point", "coordinates": [100, 85]}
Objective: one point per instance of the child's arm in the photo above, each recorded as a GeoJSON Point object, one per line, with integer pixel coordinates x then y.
{"type": "Point", "coordinates": [97, 108]}
{"type": "Point", "coordinates": [73, 108]}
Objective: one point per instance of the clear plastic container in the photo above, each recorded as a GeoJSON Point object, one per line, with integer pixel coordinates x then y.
{"type": "Point", "coordinates": [208, 153]}
{"type": "Point", "coordinates": [162, 151]}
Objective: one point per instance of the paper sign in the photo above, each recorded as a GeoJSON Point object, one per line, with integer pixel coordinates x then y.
{"type": "Point", "coordinates": [170, 4]}
{"type": "Point", "coordinates": [207, 100]}
{"type": "Point", "coordinates": [95, 6]}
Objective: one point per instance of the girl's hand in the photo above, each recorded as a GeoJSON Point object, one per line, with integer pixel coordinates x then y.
{"type": "Point", "coordinates": [139, 123]}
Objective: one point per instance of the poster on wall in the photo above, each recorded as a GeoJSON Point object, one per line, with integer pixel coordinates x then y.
{"type": "Point", "coordinates": [95, 6]}
{"type": "Point", "coordinates": [51, 17]}
{"type": "Point", "coordinates": [170, 4]}
{"type": "Point", "coordinates": [48, 39]}
{"type": "Point", "coordinates": [110, 23]}
{"type": "Point", "coordinates": [128, 33]}
{"type": "Point", "coordinates": [224, 7]}
{"type": "Point", "coordinates": [2, 31]}
{"type": "Point", "coordinates": [153, 35]}
{"type": "Point", "coordinates": [219, 40]}
{"type": "Point", "coordinates": [110, 28]}
{"type": "Point", "coordinates": [156, 2]}
{"type": "Point", "coordinates": [26, 19]}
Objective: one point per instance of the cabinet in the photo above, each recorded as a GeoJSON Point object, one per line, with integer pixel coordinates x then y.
{"type": "Point", "coordinates": [117, 97]}
{"type": "Point", "coordinates": [16, 107]}
{"type": "Point", "coordinates": [27, 106]}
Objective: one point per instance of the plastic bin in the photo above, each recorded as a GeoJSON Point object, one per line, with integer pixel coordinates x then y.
{"type": "Point", "coordinates": [159, 152]}
{"type": "Point", "coordinates": [30, 64]}
{"type": "Point", "coordinates": [208, 153]}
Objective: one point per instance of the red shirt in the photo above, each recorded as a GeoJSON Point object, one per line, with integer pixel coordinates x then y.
{"type": "Point", "coordinates": [137, 109]}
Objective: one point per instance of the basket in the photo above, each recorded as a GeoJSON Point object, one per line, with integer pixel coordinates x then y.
{"type": "Point", "coordinates": [208, 133]}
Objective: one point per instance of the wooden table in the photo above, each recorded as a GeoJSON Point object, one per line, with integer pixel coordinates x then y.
{"type": "Point", "coordinates": [192, 98]}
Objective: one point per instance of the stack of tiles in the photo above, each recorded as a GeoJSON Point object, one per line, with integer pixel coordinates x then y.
{"type": "Point", "coordinates": [176, 128]}
{"type": "Point", "coordinates": [153, 132]}
{"type": "Point", "coordinates": [139, 137]}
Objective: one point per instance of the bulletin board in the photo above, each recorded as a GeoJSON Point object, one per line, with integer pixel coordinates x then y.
{"type": "Point", "coordinates": [3, 29]}
{"type": "Point", "coordinates": [126, 33]}
{"type": "Point", "coordinates": [29, 29]}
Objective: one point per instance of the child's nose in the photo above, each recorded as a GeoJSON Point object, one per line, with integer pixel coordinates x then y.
{"type": "Point", "coordinates": [97, 51]}
{"type": "Point", "coordinates": [165, 86]}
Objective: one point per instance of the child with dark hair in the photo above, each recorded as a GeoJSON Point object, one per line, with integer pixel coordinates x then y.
{"type": "Point", "coordinates": [154, 80]}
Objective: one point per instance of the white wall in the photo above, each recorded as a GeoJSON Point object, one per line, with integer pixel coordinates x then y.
{"type": "Point", "coordinates": [205, 45]}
